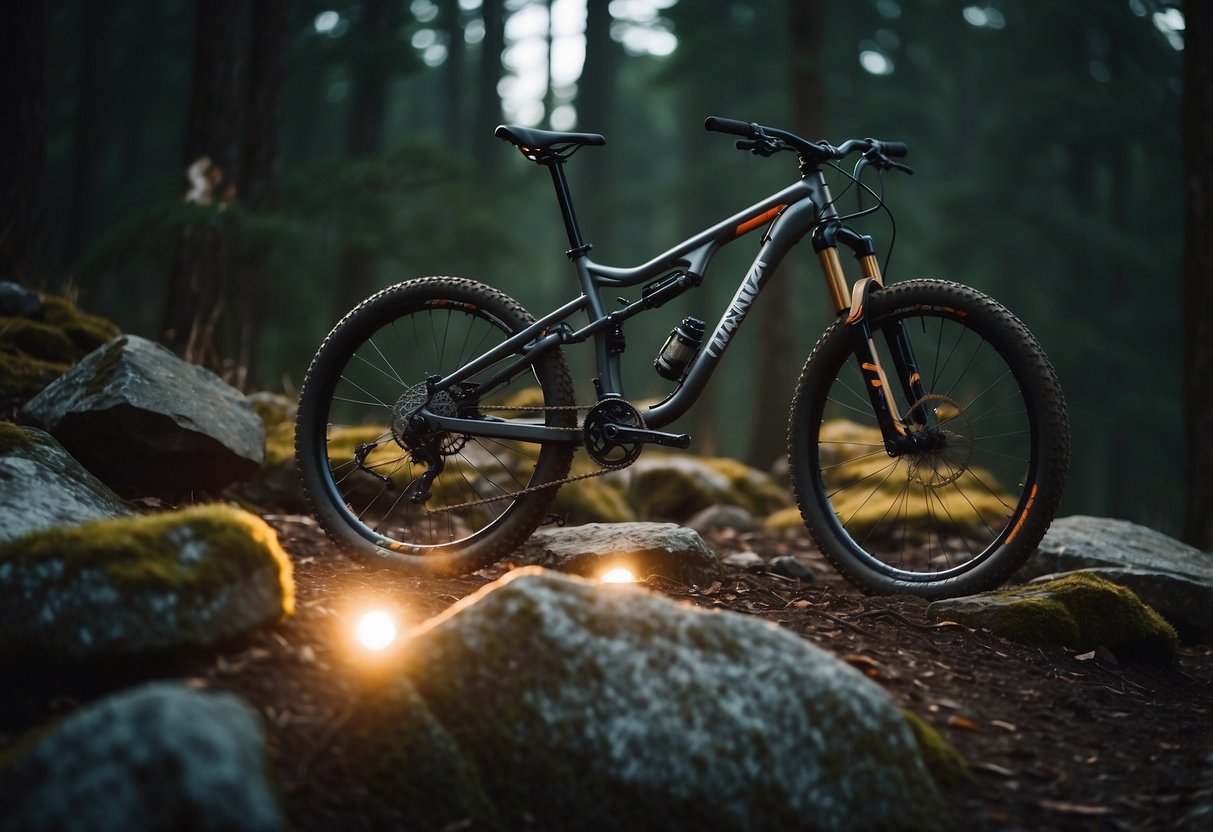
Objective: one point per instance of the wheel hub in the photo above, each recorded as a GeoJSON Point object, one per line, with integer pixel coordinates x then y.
{"type": "Point", "coordinates": [940, 451]}
{"type": "Point", "coordinates": [409, 430]}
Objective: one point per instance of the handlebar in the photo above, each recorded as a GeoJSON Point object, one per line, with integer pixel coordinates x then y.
{"type": "Point", "coordinates": [767, 140]}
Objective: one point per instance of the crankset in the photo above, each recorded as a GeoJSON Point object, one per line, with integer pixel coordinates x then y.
{"type": "Point", "coordinates": [614, 434]}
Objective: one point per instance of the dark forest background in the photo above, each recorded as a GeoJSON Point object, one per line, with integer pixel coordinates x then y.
{"type": "Point", "coordinates": [353, 142]}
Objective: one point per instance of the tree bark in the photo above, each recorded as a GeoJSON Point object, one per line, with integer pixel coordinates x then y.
{"type": "Point", "coordinates": [22, 146]}
{"type": "Point", "coordinates": [196, 300]}
{"type": "Point", "coordinates": [776, 312]}
{"type": "Point", "coordinates": [1197, 299]}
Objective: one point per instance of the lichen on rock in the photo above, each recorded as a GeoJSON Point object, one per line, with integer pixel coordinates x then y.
{"type": "Point", "coordinates": [117, 587]}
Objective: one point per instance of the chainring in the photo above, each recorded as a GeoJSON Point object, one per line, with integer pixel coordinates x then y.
{"type": "Point", "coordinates": [606, 452]}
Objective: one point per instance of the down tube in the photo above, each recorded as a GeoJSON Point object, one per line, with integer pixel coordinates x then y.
{"type": "Point", "coordinates": [788, 230]}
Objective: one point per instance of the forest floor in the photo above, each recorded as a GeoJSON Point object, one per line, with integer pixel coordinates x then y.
{"type": "Point", "coordinates": [1055, 739]}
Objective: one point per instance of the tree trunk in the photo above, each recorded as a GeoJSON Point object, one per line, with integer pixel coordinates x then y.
{"type": "Point", "coordinates": [488, 102]}
{"type": "Point", "coordinates": [776, 312]}
{"type": "Point", "coordinates": [262, 160]}
{"type": "Point", "coordinates": [1197, 299]}
{"type": "Point", "coordinates": [595, 114]}
{"type": "Point", "coordinates": [196, 300]}
{"type": "Point", "coordinates": [368, 108]}
{"type": "Point", "coordinates": [96, 25]}
{"type": "Point", "coordinates": [22, 100]}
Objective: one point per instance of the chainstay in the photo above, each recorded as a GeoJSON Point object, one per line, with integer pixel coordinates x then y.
{"type": "Point", "coordinates": [513, 495]}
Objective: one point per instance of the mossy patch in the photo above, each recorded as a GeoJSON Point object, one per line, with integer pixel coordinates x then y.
{"type": "Point", "coordinates": [869, 488]}
{"type": "Point", "coordinates": [946, 765]}
{"type": "Point", "coordinates": [785, 518]}
{"type": "Point", "coordinates": [35, 353]}
{"type": "Point", "coordinates": [592, 501]}
{"type": "Point", "coordinates": [14, 437]}
{"type": "Point", "coordinates": [675, 487]}
{"type": "Point", "coordinates": [1081, 611]}
{"type": "Point", "coordinates": [192, 552]}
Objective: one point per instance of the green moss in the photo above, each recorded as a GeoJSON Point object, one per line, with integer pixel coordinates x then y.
{"type": "Point", "coordinates": [86, 331]}
{"type": "Point", "coordinates": [1084, 611]}
{"type": "Point", "coordinates": [754, 490]}
{"type": "Point", "coordinates": [22, 376]}
{"type": "Point", "coordinates": [592, 501]}
{"type": "Point", "coordinates": [785, 518]}
{"type": "Point", "coordinates": [869, 487]}
{"type": "Point", "coordinates": [14, 437]}
{"type": "Point", "coordinates": [23, 336]}
{"type": "Point", "coordinates": [145, 553]}
{"type": "Point", "coordinates": [946, 764]}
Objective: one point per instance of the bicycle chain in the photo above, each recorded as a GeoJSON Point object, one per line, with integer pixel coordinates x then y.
{"type": "Point", "coordinates": [605, 469]}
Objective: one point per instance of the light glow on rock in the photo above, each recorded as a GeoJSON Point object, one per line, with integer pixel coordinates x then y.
{"type": "Point", "coordinates": [618, 575]}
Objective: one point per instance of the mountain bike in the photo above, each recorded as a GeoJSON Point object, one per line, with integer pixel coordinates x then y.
{"type": "Point", "coordinates": [928, 438]}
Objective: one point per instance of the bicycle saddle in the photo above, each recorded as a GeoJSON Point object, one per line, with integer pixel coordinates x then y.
{"type": "Point", "coordinates": [529, 139]}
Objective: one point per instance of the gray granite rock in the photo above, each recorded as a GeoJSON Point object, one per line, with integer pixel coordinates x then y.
{"type": "Point", "coordinates": [42, 486]}
{"type": "Point", "coordinates": [745, 561]}
{"type": "Point", "coordinates": [155, 759]}
{"type": "Point", "coordinates": [717, 517]}
{"type": "Point", "coordinates": [1169, 575]}
{"type": "Point", "coordinates": [18, 301]}
{"type": "Point", "coordinates": [146, 422]}
{"type": "Point", "coordinates": [664, 549]}
{"type": "Point", "coordinates": [605, 707]}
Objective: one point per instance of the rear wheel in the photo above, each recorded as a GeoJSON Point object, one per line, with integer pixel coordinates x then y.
{"type": "Point", "coordinates": [963, 504]}
{"type": "Point", "coordinates": [362, 467]}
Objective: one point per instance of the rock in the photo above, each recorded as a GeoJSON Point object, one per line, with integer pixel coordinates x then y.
{"type": "Point", "coordinates": [1079, 611]}
{"type": "Point", "coordinates": [592, 501]}
{"type": "Point", "coordinates": [1172, 577]}
{"type": "Point", "coordinates": [645, 549]}
{"type": "Point", "coordinates": [718, 517]}
{"type": "Point", "coordinates": [146, 422]}
{"type": "Point", "coordinates": [785, 518]}
{"type": "Point", "coordinates": [790, 567]}
{"type": "Point", "coordinates": [602, 708]}
{"type": "Point", "coordinates": [672, 487]}
{"type": "Point", "coordinates": [1186, 603]}
{"type": "Point", "coordinates": [42, 486]}
{"type": "Point", "coordinates": [160, 757]}
{"type": "Point", "coordinates": [746, 561]}
{"type": "Point", "coordinates": [276, 484]}
{"type": "Point", "coordinates": [1200, 815]}
{"type": "Point", "coordinates": [18, 301]}
{"type": "Point", "coordinates": [123, 587]}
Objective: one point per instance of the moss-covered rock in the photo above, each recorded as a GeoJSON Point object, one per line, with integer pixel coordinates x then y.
{"type": "Point", "coordinates": [1079, 610]}
{"type": "Point", "coordinates": [675, 487]}
{"type": "Point", "coordinates": [628, 711]}
{"type": "Point", "coordinates": [159, 582]}
{"type": "Point", "coordinates": [36, 351]}
{"type": "Point", "coordinates": [785, 518]}
{"type": "Point", "coordinates": [947, 765]}
{"type": "Point", "coordinates": [277, 484]}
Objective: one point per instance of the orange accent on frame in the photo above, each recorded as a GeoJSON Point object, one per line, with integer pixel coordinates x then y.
{"type": "Point", "coordinates": [873, 367]}
{"type": "Point", "coordinates": [1024, 516]}
{"type": "Point", "coordinates": [749, 225]}
{"type": "Point", "coordinates": [915, 378]}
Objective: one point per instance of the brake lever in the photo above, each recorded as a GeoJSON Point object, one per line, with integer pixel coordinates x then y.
{"type": "Point", "coordinates": [759, 147]}
{"type": "Point", "coordinates": [883, 162]}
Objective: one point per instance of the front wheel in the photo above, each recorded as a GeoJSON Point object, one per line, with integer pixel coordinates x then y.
{"type": "Point", "coordinates": [362, 465]}
{"type": "Point", "coordinates": [960, 506]}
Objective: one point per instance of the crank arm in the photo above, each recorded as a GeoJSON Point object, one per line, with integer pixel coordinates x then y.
{"type": "Point", "coordinates": [623, 434]}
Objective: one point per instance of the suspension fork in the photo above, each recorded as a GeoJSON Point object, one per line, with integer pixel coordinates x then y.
{"type": "Point", "coordinates": [867, 356]}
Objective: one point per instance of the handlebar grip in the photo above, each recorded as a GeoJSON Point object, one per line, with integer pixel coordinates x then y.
{"type": "Point", "coordinates": [894, 150]}
{"type": "Point", "coordinates": [728, 125]}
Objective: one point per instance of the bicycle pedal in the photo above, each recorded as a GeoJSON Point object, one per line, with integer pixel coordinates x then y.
{"type": "Point", "coordinates": [624, 433]}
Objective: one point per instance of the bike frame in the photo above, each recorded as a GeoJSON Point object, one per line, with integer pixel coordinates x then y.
{"type": "Point", "coordinates": [804, 207]}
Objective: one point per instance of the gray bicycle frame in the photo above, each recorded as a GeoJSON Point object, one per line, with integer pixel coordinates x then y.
{"type": "Point", "coordinates": [805, 204]}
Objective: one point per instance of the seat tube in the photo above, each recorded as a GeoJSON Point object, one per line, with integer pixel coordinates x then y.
{"type": "Point", "coordinates": [577, 246]}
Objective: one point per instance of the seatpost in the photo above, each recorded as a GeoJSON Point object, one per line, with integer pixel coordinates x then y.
{"type": "Point", "coordinates": [578, 246]}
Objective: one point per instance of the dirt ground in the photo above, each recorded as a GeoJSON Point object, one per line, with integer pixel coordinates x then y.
{"type": "Point", "coordinates": [1055, 739]}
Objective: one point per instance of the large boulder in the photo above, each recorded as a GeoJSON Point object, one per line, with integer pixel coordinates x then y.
{"type": "Point", "coordinates": [601, 708]}
{"type": "Point", "coordinates": [147, 422]}
{"type": "Point", "coordinates": [158, 758]}
{"type": "Point", "coordinates": [1172, 577]}
{"type": "Point", "coordinates": [123, 587]}
{"type": "Point", "coordinates": [644, 549]}
{"type": "Point", "coordinates": [276, 484]}
{"type": "Point", "coordinates": [1079, 610]}
{"type": "Point", "coordinates": [43, 486]}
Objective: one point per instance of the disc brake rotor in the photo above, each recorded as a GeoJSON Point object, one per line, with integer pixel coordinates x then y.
{"type": "Point", "coordinates": [949, 443]}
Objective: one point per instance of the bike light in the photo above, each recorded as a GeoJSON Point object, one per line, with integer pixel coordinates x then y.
{"type": "Point", "coordinates": [618, 575]}
{"type": "Point", "coordinates": [376, 630]}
